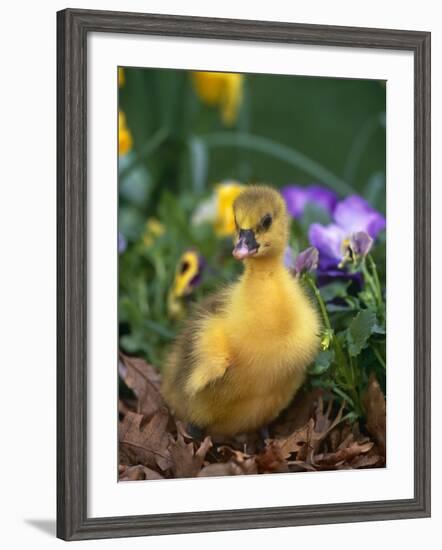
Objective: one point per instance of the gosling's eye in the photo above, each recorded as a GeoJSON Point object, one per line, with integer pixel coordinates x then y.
{"type": "Point", "coordinates": [266, 222]}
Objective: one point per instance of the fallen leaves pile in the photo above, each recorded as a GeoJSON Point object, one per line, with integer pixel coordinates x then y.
{"type": "Point", "coordinates": [312, 434]}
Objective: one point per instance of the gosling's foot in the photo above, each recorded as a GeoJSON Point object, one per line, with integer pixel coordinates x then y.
{"type": "Point", "coordinates": [195, 431]}
{"type": "Point", "coordinates": [264, 432]}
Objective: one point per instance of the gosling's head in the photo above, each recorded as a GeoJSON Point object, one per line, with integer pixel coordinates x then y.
{"type": "Point", "coordinates": [261, 223]}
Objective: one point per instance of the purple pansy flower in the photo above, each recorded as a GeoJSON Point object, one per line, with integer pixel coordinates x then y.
{"type": "Point", "coordinates": [122, 243]}
{"type": "Point", "coordinates": [351, 216]}
{"type": "Point", "coordinates": [355, 214]}
{"type": "Point", "coordinates": [297, 198]}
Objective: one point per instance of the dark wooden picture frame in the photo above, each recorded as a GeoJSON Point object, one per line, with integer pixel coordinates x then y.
{"type": "Point", "coordinates": [73, 27]}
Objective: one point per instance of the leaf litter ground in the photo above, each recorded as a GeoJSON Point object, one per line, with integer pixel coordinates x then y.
{"type": "Point", "coordinates": [312, 434]}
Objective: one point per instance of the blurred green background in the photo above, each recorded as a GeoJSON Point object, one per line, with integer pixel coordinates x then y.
{"type": "Point", "coordinates": [287, 129]}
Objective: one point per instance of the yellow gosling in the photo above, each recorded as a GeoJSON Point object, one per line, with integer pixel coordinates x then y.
{"type": "Point", "coordinates": [243, 354]}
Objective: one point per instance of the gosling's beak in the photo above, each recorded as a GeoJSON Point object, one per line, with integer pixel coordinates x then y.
{"type": "Point", "coordinates": [246, 245]}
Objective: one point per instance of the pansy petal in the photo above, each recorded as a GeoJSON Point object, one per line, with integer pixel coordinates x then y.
{"type": "Point", "coordinates": [122, 243]}
{"type": "Point", "coordinates": [354, 214]}
{"type": "Point", "coordinates": [376, 225]}
{"type": "Point", "coordinates": [323, 197]}
{"type": "Point", "coordinates": [296, 198]}
{"type": "Point", "coordinates": [328, 240]}
{"type": "Point", "coordinates": [188, 273]}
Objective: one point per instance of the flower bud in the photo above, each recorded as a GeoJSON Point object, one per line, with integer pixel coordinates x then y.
{"type": "Point", "coordinates": [306, 261]}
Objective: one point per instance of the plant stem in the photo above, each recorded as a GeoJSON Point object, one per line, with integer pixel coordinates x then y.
{"type": "Point", "coordinates": [379, 357]}
{"type": "Point", "coordinates": [359, 145]}
{"type": "Point", "coordinates": [320, 301]}
{"type": "Point", "coordinates": [374, 287]}
{"type": "Point", "coordinates": [354, 385]}
{"type": "Point", "coordinates": [278, 150]}
{"type": "Point", "coordinates": [375, 277]}
{"type": "Point", "coordinates": [344, 368]}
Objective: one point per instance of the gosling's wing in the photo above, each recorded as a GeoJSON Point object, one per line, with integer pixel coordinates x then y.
{"type": "Point", "coordinates": [203, 351]}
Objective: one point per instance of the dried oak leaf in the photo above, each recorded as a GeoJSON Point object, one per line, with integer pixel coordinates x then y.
{"type": "Point", "coordinates": [186, 462]}
{"type": "Point", "coordinates": [138, 472]}
{"type": "Point", "coordinates": [298, 413]}
{"type": "Point", "coordinates": [370, 460]}
{"type": "Point", "coordinates": [297, 451]}
{"type": "Point", "coordinates": [349, 450]}
{"type": "Point", "coordinates": [218, 469]}
{"type": "Point", "coordinates": [270, 459]}
{"type": "Point", "coordinates": [248, 443]}
{"type": "Point", "coordinates": [144, 381]}
{"type": "Point", "coordinates": [277, 451]}
{"type": "Point", "coordinates": [145, 441]}
{"type": "Point", "coordinates": [245, 461]}
{"type": "Point", "coordinates": [323, 425]}
{"type": "Point", "coordinates": [286, 446]}
{"type": "Point", "coordinates": [374, 403]}
{"type": "Point", "coordinates": [344, 454]}
{"type": "Point", "coordinates": [229, 468]}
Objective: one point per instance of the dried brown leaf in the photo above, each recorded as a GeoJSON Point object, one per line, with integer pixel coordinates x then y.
{"type": "Point", "coordinates": [144, 381]}
{"type": "Point", "coordinates": [322, 426]}
{"type": "Point", "coordinates": [271, 459]}
{"type": "Point", "coordinates": [185, 461]}
{"type": "Point", "coordinates": [221, 469]}
{"type": "Point", "coordinates": [277, 451]}
{"type": "Point", "coordinates": [374, 403]}
{"type": "Point", "coordinates": [370, 460]}
{"type": "Point", "coordinates": [300, 447]}
{"type": "Point", "coordinates": [138, 472]}
{"type": "Point", "coordinates": [298, 413]}
{"type": "Point", "coordinates": [309, 435]}
{"type": "Point", "coordinates": [245, 461]}
{"type": "Point", "coordinates": [230, 468]}
{"type": "Point", "coordinates": [145, 441]}
{"type": "Point", "coordinates": [345, 454]}
{"type": "Point", "coordinates": [228, 452]}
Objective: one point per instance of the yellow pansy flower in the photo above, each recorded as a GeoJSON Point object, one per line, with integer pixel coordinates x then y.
{"type": "Point", "coordinates": [121, 77]}
{"type": "Point", "coordinates": [187, 277]}
{"type": "Point", "coordinates": [154, 229]}
{"type": "Point", "coordinates": [124, 135]}
{"type": "Point", "coordinates": [218, 209]}
{"type": "Point", "coordinates": [226, 194]}
{"type": "Point", "coordinates": [222, 90]}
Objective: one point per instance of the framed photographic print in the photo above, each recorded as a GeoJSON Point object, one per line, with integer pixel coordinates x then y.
{"type": "Point", "coordinates": [243, 274]}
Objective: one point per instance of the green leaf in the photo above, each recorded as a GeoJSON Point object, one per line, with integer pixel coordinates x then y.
{"type": "Point", "coordinates": [322, 362]}
{"type": "Point", "coordinates": [131, 222]}
{"type": "Point", "coordinates": [344, 396]}
{"type": "Point", "coordinates": [135, 187]}
{"type": "Point", "coordinates": [199, 163]}
{"type": "Point", "coordinates": [378, 329]}
{"type": "Point", "coordinates": [130, 343]}
{"type": "Point", "coordinates": [336, 289]}
{"type": "Point", "coordinates": [335, 308]}
{"type": "Point", "coordinates": [292, 156]}
{"type": "Point", "coordinates": [374, 191]}
{"type": "Point", "coordinates": [367, 297]}
{"type": "Point", "coordinates": [359, 331]}
{"type": "Point", "coordinates": [159, 329]}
